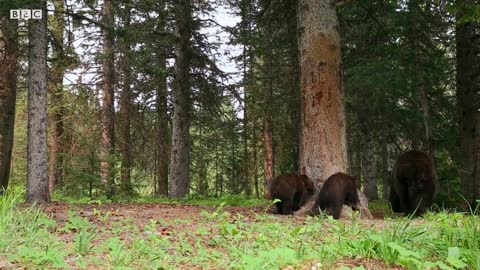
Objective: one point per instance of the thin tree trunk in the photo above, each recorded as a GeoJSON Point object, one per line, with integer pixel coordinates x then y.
{"type": "Point", "coordinates": [357, 169]}
{"type": "Point", "coordinates": [350, 155]}
{"type": "Point", "coordinates": [180, 153]}
{"type": "Point", "coordinates": [217, 186]}
{"type": "Point", "coordinates": [37, 153]}
{"type": "Point", "coordinates": [202, 175]}
{"type": "Point", "coordinates": [268, 125]}
{"type": "Point", "coordinates": [125, 112]}
{"type": "Point", "coordinates": [368, 164]}
{"type": "Point", "coordinates": [56, 91]}
{"type": "Point", "coordinates": [108, 122]}
{"type": "Point", "coordinates": [163, 158]}
{"type": "Point", "coordinates": [8, 94]}
{"type": "Point", "coordinates": [468, 102]}
{"type": "Point", "coordinates": [162, 125]}
{"type": "Point", "coordinates": [385, 164]}
{"type": "Point", "coordinates": [323, 149]}
{"type": "Point", "coordinates": [234, 180]}
{"type": "Point", "coordinates": [246, 156]}
{"type": "Point", "coordinates": [476, 192]}
{"type": "Point", "coordinates": [255, 159]}
{"type": "Point", "coordinates": [424, 100]}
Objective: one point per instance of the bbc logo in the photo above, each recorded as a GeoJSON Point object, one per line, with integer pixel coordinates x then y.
{"type": "Point", "coordinates": [25, 14]}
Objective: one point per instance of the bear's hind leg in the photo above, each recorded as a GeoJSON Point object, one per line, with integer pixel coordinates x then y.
{"type": "Point", "coordinates": [337, 210]}
{"type": "Point", "coordinates": [287, 207]}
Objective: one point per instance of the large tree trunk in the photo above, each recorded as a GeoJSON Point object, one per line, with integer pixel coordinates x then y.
{"type": "Point", "coordinates": [125, 112]}
{"type": "Point", "coordinates": [8, 94]}
{"type": "Point", "coordinates": [56, 91]}
{"type": "Point", "coordinates": [180, 153]}
{"type": "Point", "coordinates": [108, 144]}
{"type": "Point", "coordinates": [468, 102]}
{"type": "Point", "coordinates": [323, 148]}
{"type": "Point", "coordinates": [37, 156]}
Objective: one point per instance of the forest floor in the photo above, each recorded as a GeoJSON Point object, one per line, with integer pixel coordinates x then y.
{"type": "Point", "coordinates": [182, 236]}
{"type": "Point", "coordinates": [174, 219]}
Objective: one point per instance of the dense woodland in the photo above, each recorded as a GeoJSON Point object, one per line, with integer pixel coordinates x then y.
{"type": "Point", "coordinates": [117, 99]}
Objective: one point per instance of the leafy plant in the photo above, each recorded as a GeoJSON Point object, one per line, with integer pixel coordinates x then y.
{"type": "Point", "coordinates": [83, 241]}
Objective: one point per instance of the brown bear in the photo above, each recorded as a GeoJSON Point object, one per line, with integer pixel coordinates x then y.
{"type": "Point", "coordinates": [293, 190]}
{"type": "Point", "coordinates": [339, 189]}
{"type": "Point", "coordinates": [414, 183]}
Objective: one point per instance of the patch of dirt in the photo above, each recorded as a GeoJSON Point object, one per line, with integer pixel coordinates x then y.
{"type": "Point", "coordinates": [172, 219]}
{"type": "Point", "coordinates": [373, 264]}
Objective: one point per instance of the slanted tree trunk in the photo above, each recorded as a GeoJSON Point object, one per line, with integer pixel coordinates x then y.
{"type": "Point", "coordinates": [468, 103]}
{"type": "Point", "coordinates": [125, 112]}
{"type": "Point", "coordinates": [323, 148]}
{"type": "Point", "coordinates": [180, 153]}
{"type": "Point", "coordinates": [108, 113]}
{"type": "Point", "coordinates": [56, 96]}
{"type": "Point", "coordinates": [8, 94]}
{"type": "Point", "coordinates": [37, 153]}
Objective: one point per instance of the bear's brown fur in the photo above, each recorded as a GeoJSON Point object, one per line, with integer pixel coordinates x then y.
{"type": "Point", "coordinates": [414, 183]}
{"type": "Point", "coordinates": [293, 190]}
{"type": "Point", "coordinates": [339, 189]}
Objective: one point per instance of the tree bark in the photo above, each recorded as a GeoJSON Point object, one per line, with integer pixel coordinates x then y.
{"type": "Point", "coordinates": [56, 91]}
{"type": "Point", "coordinates": [255, 160]}
{"type": "Point", "coordinates": [163, 158]}
{"type": "Point", "coordinates": [180, 153]}
{"type": "Point", "coordinates": [125, 112]}
{"type": "Point", "coordinates": [424, 100]}
{"type": "Point", "coordinates": [108, 123]}
{"type": "Point", "coordinates": [8, 94]}
{"type": "Point", "coordinates": [323, 149]}
{"type": "Point", "coordinates": [245, 12]}
{"type": "Point", "coordinates": [246, 156]}
{"type": "Point", "coordinates": [37, 153]}
{"type": "Point", "coordinates": [468, 103]}
{"type": "Point", "coordinates": [268, 125]}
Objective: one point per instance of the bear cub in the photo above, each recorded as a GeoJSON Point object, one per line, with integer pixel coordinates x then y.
{"type": "Point", "coordinates": [293, 191]}
{"type": "Point", "coordinates": [339, 189]}
{"type": "Point", "coordinates": [414, 183]}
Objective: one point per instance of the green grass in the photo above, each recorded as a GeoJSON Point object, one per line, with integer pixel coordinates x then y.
{"type": "Point", "coordinates": [225, 240]}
